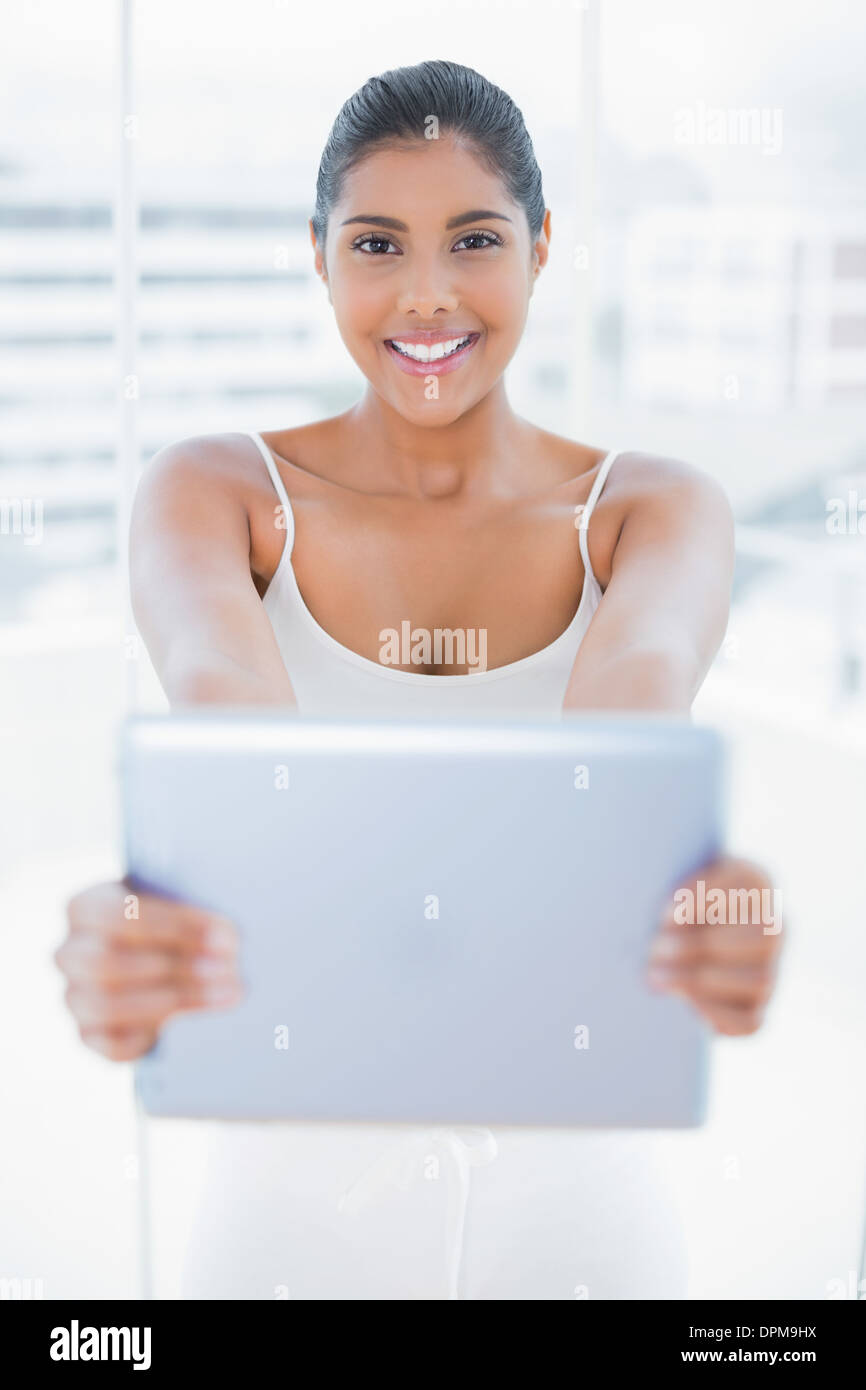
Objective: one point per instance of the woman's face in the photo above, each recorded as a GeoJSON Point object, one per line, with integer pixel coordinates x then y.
{"type": "Point", "coordinates": [425, 248]}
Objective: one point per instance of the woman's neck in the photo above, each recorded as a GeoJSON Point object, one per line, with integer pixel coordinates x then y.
{"type": "Point", "coordinates": [481, 452]}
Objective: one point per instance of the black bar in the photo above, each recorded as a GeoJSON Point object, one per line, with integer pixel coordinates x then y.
{"type": "Point", "coordinates": [618, 1335]}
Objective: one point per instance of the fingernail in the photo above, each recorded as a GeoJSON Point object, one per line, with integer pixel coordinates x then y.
{"type": "Point", "coordinates": [221, 935]}
{"type": "Point", "coordinates": [222, 994]}
{"type": "Point", "coordinates": [658, 978]}
{"type": "Point", "coordinates": [664, 949]}
{"type": "Point", "coordinates": [208, 969]}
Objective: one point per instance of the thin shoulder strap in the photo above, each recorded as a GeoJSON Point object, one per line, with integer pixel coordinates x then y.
{"type": "Point", "coordinates": [583, 522]}
{"type": "Point", "coordinates": [279, 487]}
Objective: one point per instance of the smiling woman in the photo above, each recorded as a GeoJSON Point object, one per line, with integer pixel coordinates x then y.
{"type": "Point", "coordinates": [264, 571]}
{"type": "Point", "coordinates": [439, 282]}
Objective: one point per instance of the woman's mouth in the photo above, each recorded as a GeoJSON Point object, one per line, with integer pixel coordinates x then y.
{"type": "Point", "coordinates": [424, 359]}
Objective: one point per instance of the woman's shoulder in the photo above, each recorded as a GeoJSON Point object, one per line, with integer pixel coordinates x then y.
{"type": "Point", "coordinates": [635, 471]}
{"type": "Point", "coordinates": [231, 460]}
{"type": "Point", "coordinates": [653, 473]}
{"type": "Point", "coordinates": [185, 470]}
{"type": "Point", "coordinates": [662, 495]}
{"type": "Point", "coordinates": [637, 478]}
{"type": "Point", "coordinates": [637, 482]}
{"type": "Point", "coordinates": [221, 457]}
{"type": "Point", "coordinates": [669, 488]}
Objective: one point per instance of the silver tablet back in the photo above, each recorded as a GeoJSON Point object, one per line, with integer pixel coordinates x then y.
{"type": "Point", "coordinates": [438, 922]}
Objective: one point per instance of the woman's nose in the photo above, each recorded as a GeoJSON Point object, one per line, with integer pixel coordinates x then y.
{"type": "Point", "coordinates": [425, 291]}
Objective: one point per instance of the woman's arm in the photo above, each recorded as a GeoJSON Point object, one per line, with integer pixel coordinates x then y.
{"type": "Point", "coordinates": [664, 612]}
{"type": "Point", "coordinates": [649, 646]}
{"type": "Point", "coordinates": [210, 640]}
{"type": "Point", "coordinates": [193, 596]}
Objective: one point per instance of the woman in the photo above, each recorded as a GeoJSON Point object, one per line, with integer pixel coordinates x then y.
{"type": "Point", "coordinates": [269, 571]}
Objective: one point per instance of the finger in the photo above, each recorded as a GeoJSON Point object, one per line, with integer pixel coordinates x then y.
{"type": "Point", "coordinates": [86, 960]}
{"type": "Point", "coordinates": [744, 888]}
{"type": "Point", "coordinates": [729, 871]}
{"type": "Point", "coordinates": [731, 1019]}
{"type": "Point", "coordinates": [712, 984]}
{"type": "Point", "coordinates": [741, 944]}
{"type": "Point", "coordinates": [94, 1009]}
{"type": "Point", "coordinates": [120, 1046]}
{"type": "Point", "coordinates": [130, 918]}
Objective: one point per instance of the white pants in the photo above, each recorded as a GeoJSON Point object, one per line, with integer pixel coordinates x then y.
{"type": "Point", "coordinates": [317, 1211]}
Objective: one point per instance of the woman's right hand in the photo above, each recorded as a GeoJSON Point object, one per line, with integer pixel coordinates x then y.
{"type": "Point", "coordinates": [131, 960]}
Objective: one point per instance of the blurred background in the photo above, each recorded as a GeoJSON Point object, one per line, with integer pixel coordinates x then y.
{"type": "Point", "coordinates": [705, 298]}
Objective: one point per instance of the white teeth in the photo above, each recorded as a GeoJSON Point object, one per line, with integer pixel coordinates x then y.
{"type": "Point", "coordinates": [421, 353]}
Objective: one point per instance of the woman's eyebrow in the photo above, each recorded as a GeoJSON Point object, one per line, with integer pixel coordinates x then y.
{"type": "Point", "coordinates": [479, 215]}
{"type": "Point", "coordinates": [392, 224]}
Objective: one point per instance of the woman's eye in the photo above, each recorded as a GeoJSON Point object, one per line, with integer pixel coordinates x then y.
{"type": "Point", "coordinates": [485, 238]}
{"type": "Point", "coordinates": [372, 245]}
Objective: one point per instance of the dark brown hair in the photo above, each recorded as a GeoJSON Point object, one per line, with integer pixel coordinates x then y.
{"type": "Point", "coordinates": [394, 109]}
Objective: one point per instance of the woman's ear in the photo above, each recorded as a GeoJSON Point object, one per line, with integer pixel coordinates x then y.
{"type": "Point", "coordinates": [542, 244]}
{"type": "Point", "coordinates": [541, 248]}
{"type": "Point", "coordinates": [319, 259]}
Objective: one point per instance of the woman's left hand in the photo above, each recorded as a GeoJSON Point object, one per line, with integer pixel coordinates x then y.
{"type": "Point", "coordinates": [719, 944]}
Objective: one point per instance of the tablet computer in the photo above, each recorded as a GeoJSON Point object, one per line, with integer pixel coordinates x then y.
{"type": "Point", "coordinates": [439, 922]}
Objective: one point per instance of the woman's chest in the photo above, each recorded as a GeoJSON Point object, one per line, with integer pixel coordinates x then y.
{"type": "Point", "coordinates": [430, 588]}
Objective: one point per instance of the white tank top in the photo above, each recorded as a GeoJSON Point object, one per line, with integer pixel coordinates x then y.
{"type": "Point", "coordinates": [330, 679]}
